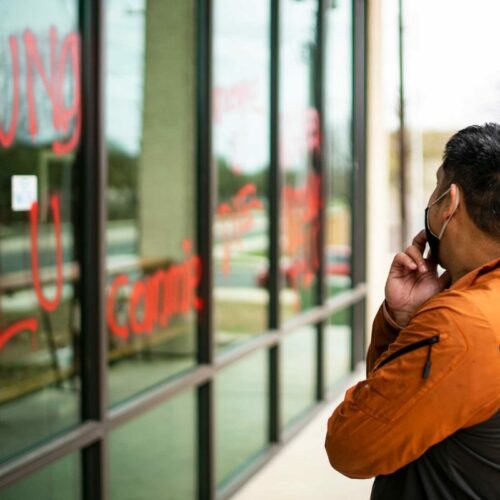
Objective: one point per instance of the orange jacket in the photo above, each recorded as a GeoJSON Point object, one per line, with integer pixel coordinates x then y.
{"type": "Point", "coordinates": [439, 374]}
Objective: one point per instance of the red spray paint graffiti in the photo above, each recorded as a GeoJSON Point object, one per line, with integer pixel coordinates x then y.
{"type": "Point", "coordinates": [54, 83]}
{"type": "Point", "coordinates": [301, 222]}
{"type": "Point", "coordinates": [29, 324]}
{"type": "Point", "coordinates": [48, 305]}
{"type": "Point", "coordinates": [301, 210]}
{"type": "Point", "coordinates": [157, 297]}
{"type": "Point", "coordinates": [6, 138]}
{"type": "Point", "coordinates": [153, 301]}
{"type": "Point", "coordinates": [238, 220]}
{"type": "Point", "coordinates": [239, 97]}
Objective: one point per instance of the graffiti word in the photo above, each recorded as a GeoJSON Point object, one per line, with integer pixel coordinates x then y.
{"type": "Point", "coordinates": [302, 207]}
{"type": "Point", "coordinates": [157, 297]}
{"type": "Point", "coordinates": [239, 97]}
{"type": "Point", "coordinates": [54, 81]}
{"type": "Point", "coordinates": [31, 324]}
{"type": "Point", "coordinates": [238, 220]}
{"type": "Point", "coordinates": [301, 135]}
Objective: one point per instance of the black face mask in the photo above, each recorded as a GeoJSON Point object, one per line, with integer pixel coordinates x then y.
{"type": "Point", "coordinates": [433, 239]}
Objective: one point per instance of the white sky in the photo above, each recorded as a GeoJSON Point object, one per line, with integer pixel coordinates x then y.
{"type": "Point", "coordinates": [452, 73]}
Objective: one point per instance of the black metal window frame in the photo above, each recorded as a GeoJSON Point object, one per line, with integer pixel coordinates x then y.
{"type": "Point", "coordinates": [90, 437]}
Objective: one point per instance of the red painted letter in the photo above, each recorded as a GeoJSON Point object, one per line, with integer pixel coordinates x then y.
{"type": "Point", "coordinates": [116, 329]}
{"type": "Point", "coordinates": [6, 138]}
{"type": "Point", "coordinates": [48, 305]}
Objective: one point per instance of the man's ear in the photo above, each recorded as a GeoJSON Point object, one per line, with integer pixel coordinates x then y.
{"type": "Point", "coordinates": [454, 201]}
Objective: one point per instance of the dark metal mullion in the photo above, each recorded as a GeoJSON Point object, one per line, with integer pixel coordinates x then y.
{"type": "Point", "coordinates": [205, 182]}
{"type": "Point", "coordinates": [319, 72]}
{"type": "Point", "coordinates": [93, 275]}
{"type": "Point", "coordinates": [274, 194]}
{"type": "Point", "coordinates": [359, 177]}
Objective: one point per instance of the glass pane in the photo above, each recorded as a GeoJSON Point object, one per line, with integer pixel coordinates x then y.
{"type": "Point", "coordinates": [338, 332]}
{"type": "Point", "coordinates": [241, 413]}
{"type": "Point", "coordinates": [59, 481]}
{"type": "Point", "coordinates": [298, 359]}
{"type": "Point", "coordinates": [338, 145]}
{"type": "Point", "coordinates": [152, 270]}
{"type": "Point", "coordinates": [299, 148]}
{"type": "Point", "coordinates": [241, 156]}
{"type": "Point", "coordinates": [40, 123]}
{"type": "Point", "coordinates": [154, 456]}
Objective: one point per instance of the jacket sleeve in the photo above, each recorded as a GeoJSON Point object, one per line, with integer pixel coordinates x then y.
{"type": "Point", "coordinates": [391, 418]}
{"type": "Point", "coordinates": [383, 334]}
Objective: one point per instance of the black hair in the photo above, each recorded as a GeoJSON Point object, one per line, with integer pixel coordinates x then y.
{"type": "Point", "coordinates": [472, 160]}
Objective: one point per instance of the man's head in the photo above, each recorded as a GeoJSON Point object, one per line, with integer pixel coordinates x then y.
{"type": "Point", "coordinates": [471, 172]}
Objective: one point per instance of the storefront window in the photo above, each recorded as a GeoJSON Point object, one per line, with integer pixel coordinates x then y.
{"type": "Point", "coordinates": [40, 124]}
{"type": "Point", "coordinates": [298, 360]}
{"type": "Point", "coordinates": [154, 456]}
{"type": "Point", "coordinates": [241, 412]}
{"type": "Point", "coordinates": [152, 267]}
{"type": "Point", "coordinates": [299, 150]}
{"type": "Point", "coordinates": [338, 145]}
{"type": "Point", "coordinates": [241, 156]}
{"type": "Point", "coordinates": [338, 337]}
{"type": "Point", "coordinates": [58, 481]}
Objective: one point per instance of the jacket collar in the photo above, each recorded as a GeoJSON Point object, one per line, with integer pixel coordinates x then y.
{"type": "Point", "coordinates": [468, 279]}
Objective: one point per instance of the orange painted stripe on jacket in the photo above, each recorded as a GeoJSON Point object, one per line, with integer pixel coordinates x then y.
{"type": "Point", "coordinates": [396, 414]}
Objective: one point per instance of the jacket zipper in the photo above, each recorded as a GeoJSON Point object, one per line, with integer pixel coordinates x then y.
{"type": "Point", "coordinates": [417, 345]}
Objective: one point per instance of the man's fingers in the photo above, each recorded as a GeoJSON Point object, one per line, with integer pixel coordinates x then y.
{"type": "Point", "coordinates": [417, 256]}
{"type": "Point", "coordinates": [403, 260]}
{"type": "Point", "coordinates": [420, 240]}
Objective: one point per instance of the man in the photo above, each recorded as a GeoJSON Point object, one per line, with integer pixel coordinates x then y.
{"type": "Point", "coordinates": [426, 421]}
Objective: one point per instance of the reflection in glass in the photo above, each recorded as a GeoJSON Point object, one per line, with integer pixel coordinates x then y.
{"type": "Point", "coordinates": [241, 155]}
{"type": "Point", "coordinates": [338, 145]}
{"type": "Point", "coordinates": [58, 481]}
{"type": "Point", "coordinates": [337, 336]}
{"type": "Point", "coordinates": [298, 360]}
{"type": "Point", "coordinates": [241, 413]}
{"type": "Point", "coordinates": [154, 456]}
{"type": "Point", "coordinates": [151, 265]}
{"type": "Point", "coordinates": [40, 124]}
{"type": "Point", "coordinates": [299, 154]}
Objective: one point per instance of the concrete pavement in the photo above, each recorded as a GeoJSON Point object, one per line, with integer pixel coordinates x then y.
{"type": "Point", "coordinates": [301, 470]}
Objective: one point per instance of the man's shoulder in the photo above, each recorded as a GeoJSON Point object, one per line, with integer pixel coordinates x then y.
{"type": "Point", "coordinates": [457, 303]}
{"type": "Point", "coordinates": [472, 311]}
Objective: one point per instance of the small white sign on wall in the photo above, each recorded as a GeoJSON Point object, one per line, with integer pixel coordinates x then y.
{"type": "Point", "coordinates": [24, 192]}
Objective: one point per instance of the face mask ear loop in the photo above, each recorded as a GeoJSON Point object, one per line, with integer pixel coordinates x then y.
{"type": "Point", "coordinates": [427, 215]}
{"type": "Point", "coordinates": [454, 210]}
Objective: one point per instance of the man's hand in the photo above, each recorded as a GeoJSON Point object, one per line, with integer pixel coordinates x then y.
{"type": "Point", "coordinates": [412, 280]}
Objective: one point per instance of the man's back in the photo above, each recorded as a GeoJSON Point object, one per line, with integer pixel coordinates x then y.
{"type": "Point", "coordinates": [466, 464]}
{"type": "Point", "coordinates": [433, 435]}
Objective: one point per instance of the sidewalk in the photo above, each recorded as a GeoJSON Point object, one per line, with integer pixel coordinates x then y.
{"type": "Point", "coordinates": [301, 470]}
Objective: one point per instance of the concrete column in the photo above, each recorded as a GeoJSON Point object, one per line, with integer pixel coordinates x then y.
{"type": "Point", "coordinates": [378, 256]}
{"type": "Point", "coordinates": [167, 170]}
